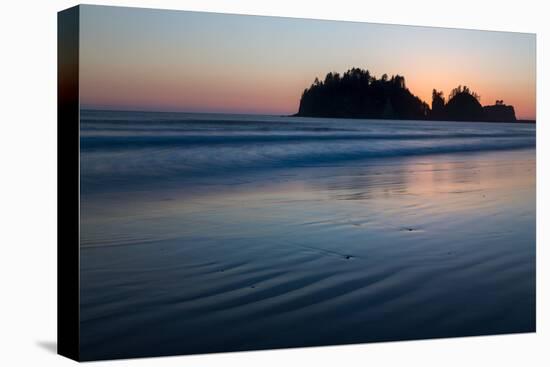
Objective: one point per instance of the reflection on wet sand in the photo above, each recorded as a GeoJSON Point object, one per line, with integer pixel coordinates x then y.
{"type": "Point", "coordinates": [418, 247]}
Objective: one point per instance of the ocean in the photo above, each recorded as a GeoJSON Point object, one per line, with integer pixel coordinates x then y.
{"type": "Point", "coordinates": [210, 232]}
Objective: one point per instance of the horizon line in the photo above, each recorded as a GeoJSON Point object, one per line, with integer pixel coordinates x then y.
{"type": "Point", "coordinates": [111, 109]}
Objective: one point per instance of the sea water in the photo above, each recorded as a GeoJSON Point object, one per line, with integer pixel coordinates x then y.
{"type": "Point", "coordinates": [210, 232]}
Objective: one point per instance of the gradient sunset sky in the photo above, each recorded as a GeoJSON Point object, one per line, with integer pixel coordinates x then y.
{"type": "Point", "coordinates": [160, 60]}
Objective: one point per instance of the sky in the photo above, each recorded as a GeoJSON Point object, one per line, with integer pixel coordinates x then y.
{"type": "Point", "coordinates": [161, 60]}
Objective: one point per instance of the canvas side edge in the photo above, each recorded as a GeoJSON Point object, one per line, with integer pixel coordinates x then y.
{"type": "Point", "coordinates": [68, 192]}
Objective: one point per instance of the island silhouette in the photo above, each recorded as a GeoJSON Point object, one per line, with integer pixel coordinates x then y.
{"type": "Point", "coordinates": [358, 94]}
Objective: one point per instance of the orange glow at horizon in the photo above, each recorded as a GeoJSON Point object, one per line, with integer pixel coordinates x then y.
{"type": "Point", "coordinates": [201, 62]}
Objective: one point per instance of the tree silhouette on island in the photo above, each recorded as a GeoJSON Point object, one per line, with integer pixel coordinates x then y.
{"type": "Point", "coordinates": [358, 94]}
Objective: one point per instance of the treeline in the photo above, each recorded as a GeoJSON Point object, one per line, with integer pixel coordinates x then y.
{"type": "Point", "coordinates": [358, 94]}
{"type": "Point", "coordinates": [464, 105]}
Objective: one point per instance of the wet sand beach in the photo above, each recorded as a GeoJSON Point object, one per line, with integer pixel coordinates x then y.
{"type": "Point", "coordinates": [281, 246]}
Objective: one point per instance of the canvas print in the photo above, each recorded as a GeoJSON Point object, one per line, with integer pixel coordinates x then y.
{"type": "Point", "coordinates": [251, 182]}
